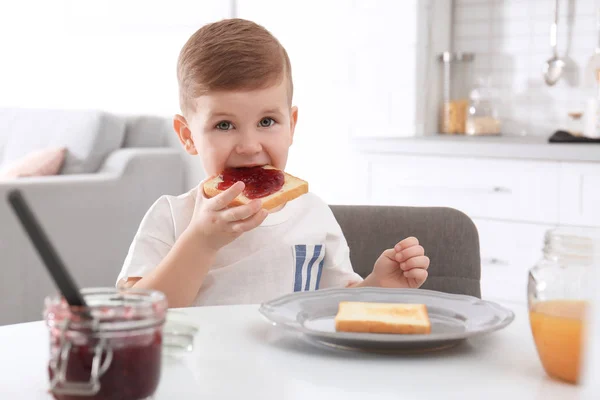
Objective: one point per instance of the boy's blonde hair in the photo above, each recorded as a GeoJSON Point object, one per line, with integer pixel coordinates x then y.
{"type": "Point", "coordinates": [232, 54]}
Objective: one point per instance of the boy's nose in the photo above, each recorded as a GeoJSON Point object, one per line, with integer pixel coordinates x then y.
{"type": "Point", "coordinates": [248, 145]}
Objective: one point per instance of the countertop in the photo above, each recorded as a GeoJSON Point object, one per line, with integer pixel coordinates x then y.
{"type": "Point", "coordinates": [512, 147]}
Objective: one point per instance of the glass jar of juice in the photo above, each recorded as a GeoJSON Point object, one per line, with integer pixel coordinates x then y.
{"type": "Point", "coordinates": [110, 350]}
{"type": "Point", "coordinates": [558, 295]}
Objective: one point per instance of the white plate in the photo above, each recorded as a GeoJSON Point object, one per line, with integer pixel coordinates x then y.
{"type": "Point", "coordinates": [453, 318]}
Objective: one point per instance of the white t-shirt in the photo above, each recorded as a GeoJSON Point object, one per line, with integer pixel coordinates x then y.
{"type": "Point", "coordinates": [298, 248]}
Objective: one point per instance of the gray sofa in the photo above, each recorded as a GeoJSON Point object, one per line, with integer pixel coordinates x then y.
{"type": "Point", "coordinates": [116, 167]}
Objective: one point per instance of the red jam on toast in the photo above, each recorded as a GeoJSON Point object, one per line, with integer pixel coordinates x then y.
{"type": "Point", "coordinates": [259, 181]}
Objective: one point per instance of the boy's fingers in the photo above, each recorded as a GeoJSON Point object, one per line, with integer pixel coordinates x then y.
{"type": "Point", "coordinates": [418, 275]}
{"type": "Point", "coordinates": [413, 251]}
{"type": "Point", "coordinates": [250, 223]}
{"type": "Point", "coordinates": [222, 200]}
{"type": "Point", "coordinates": [390, 253]}
{"type": "Point", "coordinates": [408, 242]}
{"type": "Point", "coordinates": [420, 262]}
{"type": "Point", "coordinates": [242, 212]}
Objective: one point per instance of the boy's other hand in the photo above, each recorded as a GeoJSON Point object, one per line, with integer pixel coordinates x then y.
{"type": "Point", "coordinates": [404, 266]}
{"type": "Point", "coordinates": [217, 223]}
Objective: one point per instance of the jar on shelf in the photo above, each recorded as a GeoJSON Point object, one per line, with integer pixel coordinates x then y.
{"type": "Point", "coordinates": [558, 299]}
{"type": "Point", "coordinates": [482, 115]}
{"type": "Point", "coordinates": [456, 83]}
{"type": "Point", "coordinates": [111, 349]}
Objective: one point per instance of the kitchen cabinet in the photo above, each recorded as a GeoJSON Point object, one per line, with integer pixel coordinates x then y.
{"type": "Point", "coordinates": [508, 250]}
{"type": "Point", "coordinates": [580, 194]}
{"type": "Point", "coordinates": [498, 189]}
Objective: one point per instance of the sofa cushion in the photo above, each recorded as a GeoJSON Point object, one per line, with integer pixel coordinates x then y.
{"type": "Point", "coordinates": [147, 131]}
{"type": "Point", "coordinates": [45, 162]}
{"type": "Point", "coordinates": [89, 135]}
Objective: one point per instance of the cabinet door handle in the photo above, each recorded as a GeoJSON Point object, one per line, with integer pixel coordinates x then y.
{"type": "Point", "coordinates": [494, 261]}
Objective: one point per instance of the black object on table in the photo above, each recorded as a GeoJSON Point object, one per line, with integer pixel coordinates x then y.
{"type": "Point", "coordinates": [567, 137]}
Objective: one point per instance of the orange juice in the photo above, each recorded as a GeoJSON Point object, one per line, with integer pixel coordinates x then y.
{"type": "Point", "coordinates": [558, 331]}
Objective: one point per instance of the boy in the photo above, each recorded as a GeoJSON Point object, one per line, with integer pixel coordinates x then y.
{"type": "Point", "coordinates": [236, 91]}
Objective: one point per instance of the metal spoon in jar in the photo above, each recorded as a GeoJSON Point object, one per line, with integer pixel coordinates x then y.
{"type": "Point", "coordinates": [554, 66]}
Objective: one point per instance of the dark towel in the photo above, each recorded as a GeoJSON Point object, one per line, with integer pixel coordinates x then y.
{"type": "Point", "coordinates": [566, 137]}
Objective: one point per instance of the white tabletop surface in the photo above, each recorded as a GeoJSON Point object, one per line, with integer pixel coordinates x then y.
{"type": "Point", "coordinates": [239, 355]}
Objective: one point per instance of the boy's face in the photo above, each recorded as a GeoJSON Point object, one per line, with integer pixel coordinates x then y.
{"type": "Point", "coordinates": [240, 129]}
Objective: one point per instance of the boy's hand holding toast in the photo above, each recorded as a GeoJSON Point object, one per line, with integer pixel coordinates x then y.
{"type": "Point", "coordinates": [225, 214]}
{"type": "Point", "coordinates": [217, 223]}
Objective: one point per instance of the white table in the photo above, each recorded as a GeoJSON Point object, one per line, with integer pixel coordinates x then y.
{"type": "Point", "coordinates": [240, 355]}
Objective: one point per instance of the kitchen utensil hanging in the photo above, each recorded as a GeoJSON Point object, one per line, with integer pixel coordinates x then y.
{"type": "Point", "coordinates": [554, 67]}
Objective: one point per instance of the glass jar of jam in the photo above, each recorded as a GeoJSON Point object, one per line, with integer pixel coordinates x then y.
{"type": "Point", "coordinates": [110, 350]}
{"type": "Point", "coordinates": [558, 296]}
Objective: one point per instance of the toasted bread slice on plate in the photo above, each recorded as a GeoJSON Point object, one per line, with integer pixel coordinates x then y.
{"type": "Point", "coordinates": [452, 318]}
{"type": "Point", "coordinates": [382, 318]}
{"type": "Point", "coordinates": [291, 189]}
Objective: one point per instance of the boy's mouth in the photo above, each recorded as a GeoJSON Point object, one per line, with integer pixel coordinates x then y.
{"type": "Point", "coordinates": [246, 166]}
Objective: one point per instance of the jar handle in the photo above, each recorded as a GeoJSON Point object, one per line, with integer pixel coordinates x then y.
{"type": "Point", "coordinates": [59, 383]}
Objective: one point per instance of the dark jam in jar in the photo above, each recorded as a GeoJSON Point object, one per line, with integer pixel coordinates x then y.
{"type": "Point", "coordinates": [133, 373]}
{"type": "Point", "coordinates": [125, 339]}
{"type": "Point", "coordinates": [259, 181]}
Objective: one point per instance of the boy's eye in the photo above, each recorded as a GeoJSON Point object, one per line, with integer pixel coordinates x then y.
{"type": "Point", "coordinates": [224, 126]}
{"type": "Point", "coordinates": [266, 122]}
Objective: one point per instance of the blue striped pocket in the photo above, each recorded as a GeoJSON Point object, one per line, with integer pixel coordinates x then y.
{"type": "Point", "coordinates": [308, 266]}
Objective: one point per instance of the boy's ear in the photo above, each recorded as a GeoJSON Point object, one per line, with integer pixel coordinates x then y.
{"type": "Point", "coordinates": [293, 121]}
{"type": "Point", "coordinates": [185, 134]}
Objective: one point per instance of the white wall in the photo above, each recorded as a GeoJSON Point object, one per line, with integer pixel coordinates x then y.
{"type": "Point", "coordinates": [118, 56]}
{"type": "Point", "coordinates": [511, 39]}
{"type": "Point", "coordinates": [320, 52]}
{"type": "Point", "coordinates": [113, 55]}
{"type": "Point", "coordinates": [358, 70]}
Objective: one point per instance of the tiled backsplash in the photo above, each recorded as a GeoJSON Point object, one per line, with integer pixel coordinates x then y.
{"type": "Point", "coordinates": [511, 39]}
